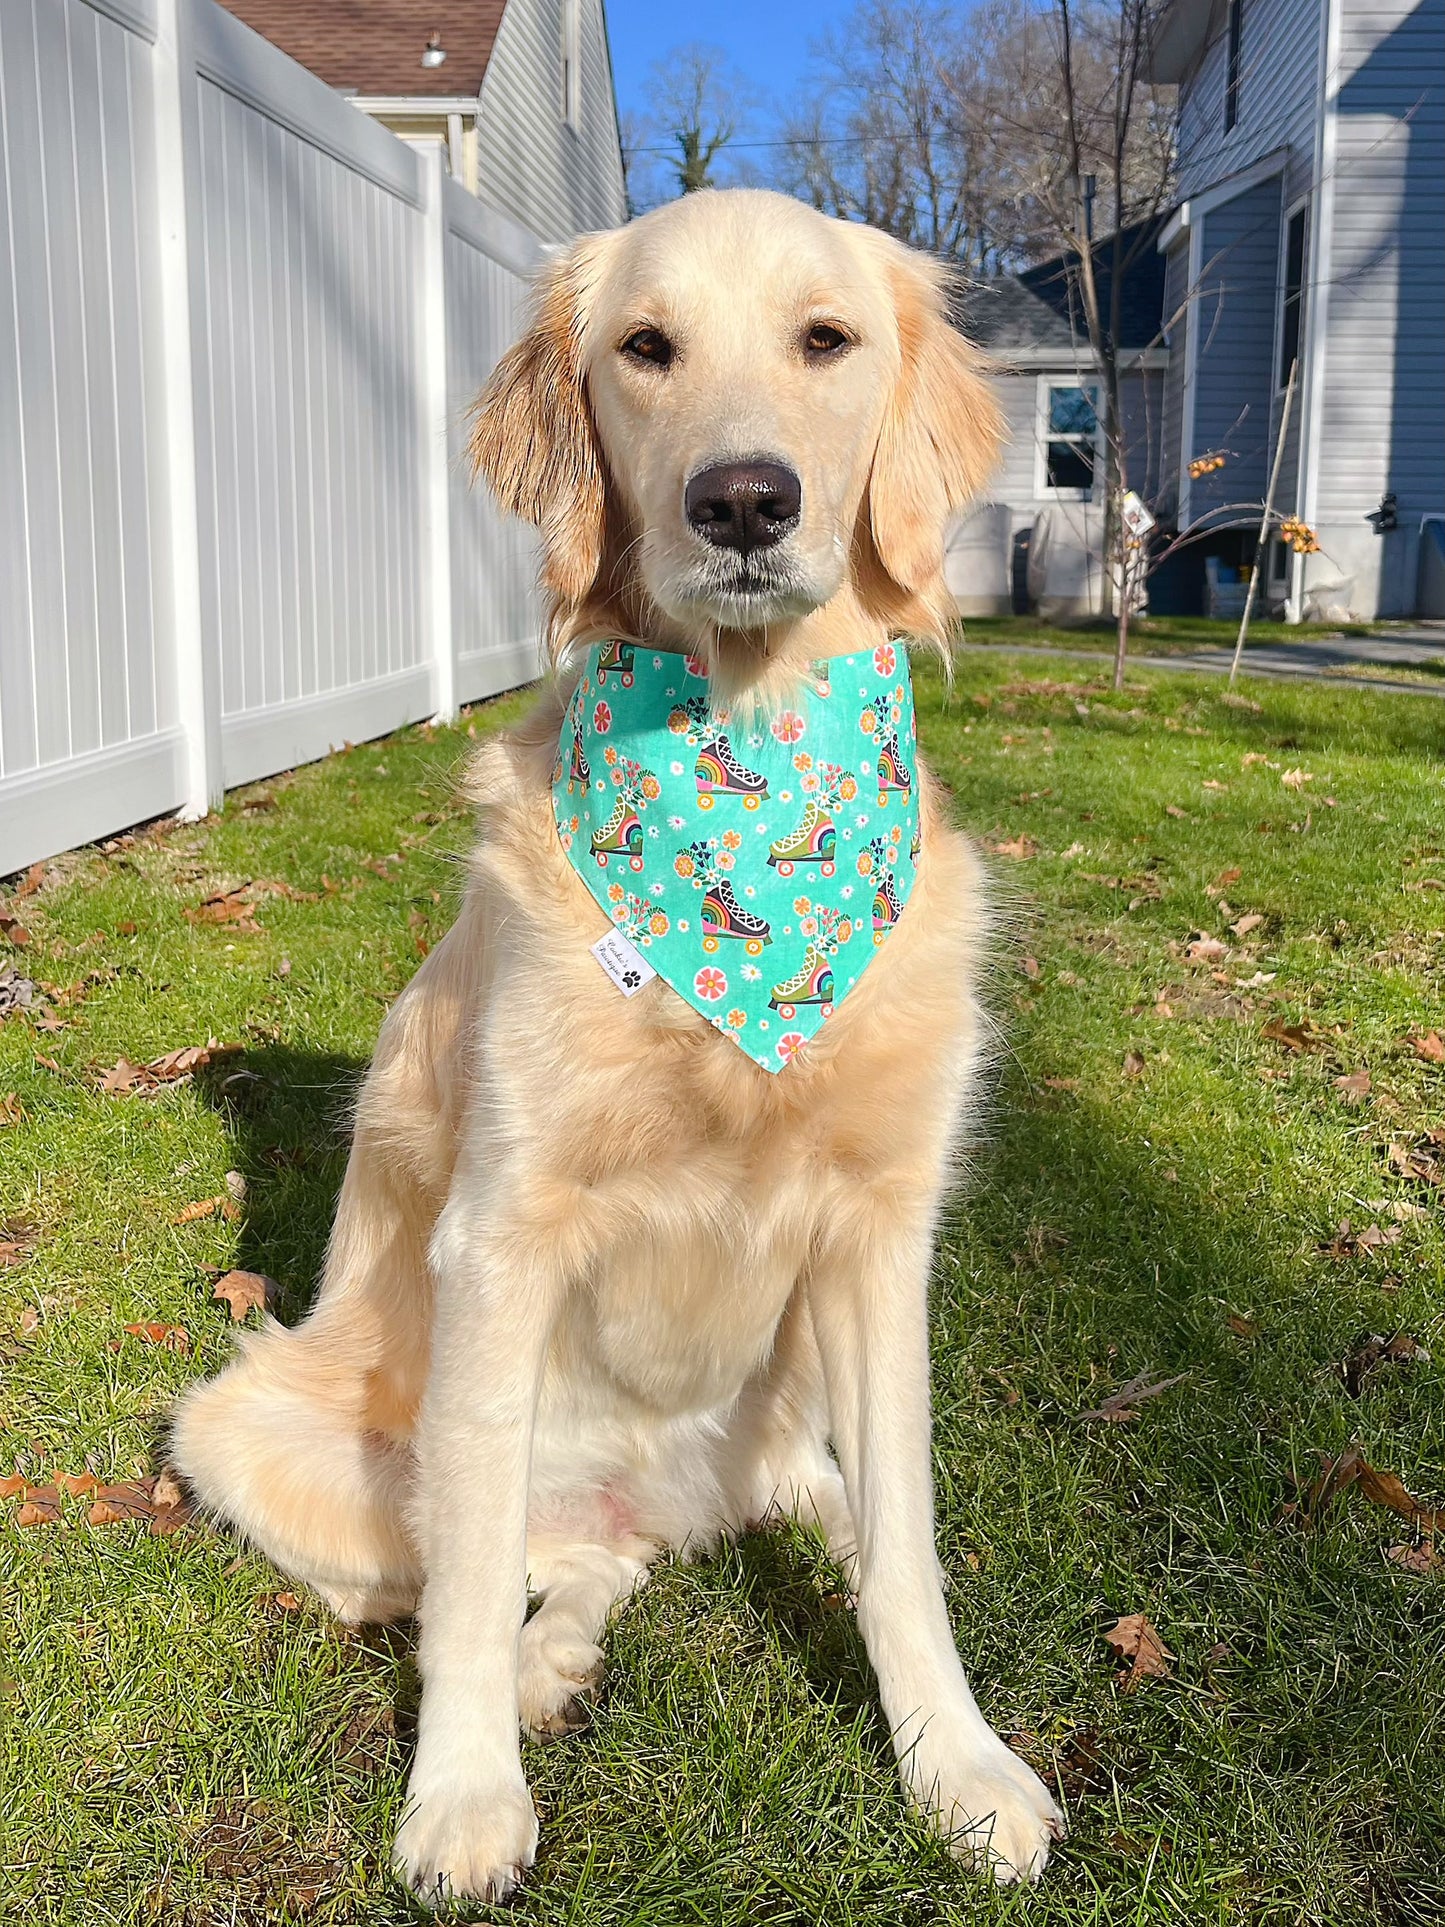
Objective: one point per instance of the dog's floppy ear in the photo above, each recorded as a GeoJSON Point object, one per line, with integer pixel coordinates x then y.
{"type": "Point", "coordinates": [533, 438]}
{"type": "Point", "coordinates": [941, 428]}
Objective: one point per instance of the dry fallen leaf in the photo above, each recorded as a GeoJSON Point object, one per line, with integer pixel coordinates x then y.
{"type": "Point", "coordinates": [1348, 1243]}
{"type": "Point", "coordinates": [1062, 1083]}
{"type": "Point", "coordinates": [1019, 847]}
{"type": "Point", "coordinates": [207, 1208]}
{"type": "Point", "coordinates": [1030, 968]}
{"type": "Point", "coordinates": [114, 1504]}
{"type": "Point", "coordinates": [1123, 1405]}
{"type": "Point", "coordinates": [246, 1291]}
{"type": "Point", "coordinates": [1241, 1326]}
{"type": "Point", "coordinates": [1247, 923]}
{"type": "Point", "coordinates": [170, 1068]}
{"type": "Point", "coordinates": [1431, 1047]}
{"type": "Point", "coordinates": [1206, 949]}
{"type": "Point", "coordinates": [1422, 1560]}
{"type": "Point", "coordinates": [1355, 1088]}
{"type": "Point", "coordinates": [40, 1507]}
{"type": "Point", "coordinates": [1133, 1064]}
{"type": "Point", "coordinates": [77, 1483]}
{"type": "Point", "coordinates": [1380, 1488]}
{"type": "Point", "coordinates": [175, 1338]}
{"type": "Point", "coordinates": [1295, 779]}
{"type": "Point", "coordinates": [1294, 1037]}
{"type": "Point", "coordinates": [17, 1240]}
{"type": "Point", "coordinates": [1138, 1646]}
{"type": "Point", "coordinates": [12, 1111]}
{"type": "Point", "coordinates": [1373, 1351]}
{"type": "Point", "coordinates": [1423, 1160]}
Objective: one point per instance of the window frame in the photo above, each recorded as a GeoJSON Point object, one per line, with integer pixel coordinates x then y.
{"type": "Point", "coordinates": [570, 77]}
{"type": "Point", "coordinates": [1044, 489]}
{"type": "Point", "coordinates": [1234, 43]}
{"type": "Point", "coordinates": [1297, 211]}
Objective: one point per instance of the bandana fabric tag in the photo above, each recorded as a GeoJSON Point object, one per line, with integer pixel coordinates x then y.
{"type": "Point", "coordinates": [623, 962]}
{"type": "Point", "coordinates": [755, 863]}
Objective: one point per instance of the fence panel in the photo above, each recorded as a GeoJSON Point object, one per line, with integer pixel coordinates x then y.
{"type": "Point", "coordinates": [308, 447]}
{"type": "Point", "coordinates": [239, 324]}
{"type": "Point", "coordinates": [88, 730]}
{"type": "Point", "coordinates": [496, 616]}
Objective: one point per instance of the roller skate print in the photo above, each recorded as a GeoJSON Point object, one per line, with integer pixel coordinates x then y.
{"type": "Point", "coordinates": [622, 835]}
{"type": "Point", "coordinates": [829, 788]}
{"type": "Point", "coordinates": [723, 916]}
{"type": "Point", "coordinates": [877, 863]}
{"type": "Point", "coordinates": [880, 720]}
{"type": "Point", "coordinates": [826, 931]}
{"type": "Point", "coordinates": [814, 841]}
{"type": "Point", "coordinates": [617, 659]}
{"type": "Point", "coordinates": [706, 865]}
{"type": "Point", "coordinates": [719, 773]}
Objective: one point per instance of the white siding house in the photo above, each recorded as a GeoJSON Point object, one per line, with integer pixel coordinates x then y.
{"type": "Point", "coordinates": [1311, 228]}
{"type": "Point", "coordinates": [1037, 543]}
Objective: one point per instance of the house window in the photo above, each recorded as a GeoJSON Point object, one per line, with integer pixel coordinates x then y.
{"type": "Point", "coordinates": [1291, 295]}
{"type": "Point", "coordinates": [572, 63]}
{"type": "Point", "coordinates": [1231, 72]}
{"type": "Point", "coordinates": [1070, 440]}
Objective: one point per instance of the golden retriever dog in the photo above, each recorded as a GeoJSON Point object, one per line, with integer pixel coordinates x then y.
{"type": "Point", "coordinates": [599, 1286]}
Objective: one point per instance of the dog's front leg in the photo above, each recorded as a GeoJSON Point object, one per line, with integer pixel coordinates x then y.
{"type": "Point", "coordinates": [470, 1828]}
{"type": "Point", "coordinates": [869, 1295]}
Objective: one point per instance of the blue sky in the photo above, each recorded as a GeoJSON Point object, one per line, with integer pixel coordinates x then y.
{"type": "Point", "coordinates": [766, 40]}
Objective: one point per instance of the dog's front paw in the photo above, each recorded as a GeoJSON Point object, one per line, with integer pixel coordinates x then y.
{"type": "Point", "coordinates": [995, 1812]}
{"type": "Point", "coordinates": [558, 1675]}
{"type": "Point", "coordinates": [466, 1843]}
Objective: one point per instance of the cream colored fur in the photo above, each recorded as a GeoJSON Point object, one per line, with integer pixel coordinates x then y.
{"type": "Point", "coordinates": [599, 1286]}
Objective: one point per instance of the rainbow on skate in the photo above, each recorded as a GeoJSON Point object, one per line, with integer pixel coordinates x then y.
{"type": "Point", "coordinates": [886, 907]}
{"type": "Point", "coordinates": [719, 773]}
{"type": "Point", "coordinates": [812, 985]}
{"type": "Point", "coordinates": [814, 841]}
{"type": "Point", "coordinates": [620, 835]}
{"type": "Point", "coordinates": [616, 659]}
{"type": "Point", "coordinates": [723, 916]}
{"type": "Point", "coordinates": [893, 772]}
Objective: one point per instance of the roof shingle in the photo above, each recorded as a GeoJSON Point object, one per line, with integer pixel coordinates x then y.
{"type": "Point", "coordinates": [375, 47]}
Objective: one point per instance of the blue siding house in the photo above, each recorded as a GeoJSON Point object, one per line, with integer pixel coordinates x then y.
{"type": "Point", "coordinates": [1310, 231]}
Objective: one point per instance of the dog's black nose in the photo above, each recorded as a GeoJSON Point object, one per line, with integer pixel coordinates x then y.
{"type": "Point", "coordinates": [744, 505]}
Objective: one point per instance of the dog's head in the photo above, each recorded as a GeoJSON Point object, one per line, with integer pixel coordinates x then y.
{"type": "Point", "coordinates": [731, 412]}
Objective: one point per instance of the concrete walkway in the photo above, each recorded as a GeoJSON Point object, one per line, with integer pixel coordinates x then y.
{"type": "Point", "coordinates": [1311, 659]}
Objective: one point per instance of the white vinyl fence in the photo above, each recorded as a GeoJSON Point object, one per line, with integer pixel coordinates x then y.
{"type": "Point", "coordinates": [239, 326]}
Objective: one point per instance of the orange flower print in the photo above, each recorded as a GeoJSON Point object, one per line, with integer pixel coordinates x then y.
{"type": "Point", "coordinates": [683, 864]}
{"type": "Point", "coordinates": [602, 718]}
{"type": "Point", "coordinates": [736, 1019]}
{"type": "Point", "coordinates": [732, 839]}
{"type": "Point", "coordinates": [790, 1044]}
{"type": "Point", "coordinates": [710, 983]}
{"type": "Point", "coordinates": [651, 788]}
{"type": "Point", "coordinates": [885, 659]}
{"type": "Point", "coordinates": [609, 755]}
{"type": "Point", "coordinates": [802, 905]}
{"type": "Point", "coordinates": [802, 760]}
{"type": "Point", "coordinates": [867, 722]}
{"type": "Point", "coordinates": [657, 923]}
{"type": "Point", "coordinates": [615, 893]}
{"type": "Point", "coordinates": [789, 727]}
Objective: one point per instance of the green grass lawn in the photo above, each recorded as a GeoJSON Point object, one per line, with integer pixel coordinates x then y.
{"type": "Point", "coordinates": [1157, 635]}
{"type": "Point", "coordinates": [1154, 1189]}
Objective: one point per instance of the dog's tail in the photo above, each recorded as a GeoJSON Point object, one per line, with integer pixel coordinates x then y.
{"type": "Point", "coordinates": [279, 1445]}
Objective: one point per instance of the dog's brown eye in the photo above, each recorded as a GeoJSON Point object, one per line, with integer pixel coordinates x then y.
{"type": "Point", "coordinates": [823, 339]}
{"type": "Point", "coordinates": [649, 345]}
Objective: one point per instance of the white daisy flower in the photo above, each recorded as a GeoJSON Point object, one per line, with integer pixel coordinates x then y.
{"type": "Point", "coordinates": [677, 822]}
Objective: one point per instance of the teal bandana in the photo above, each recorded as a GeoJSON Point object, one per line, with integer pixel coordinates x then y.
{"type": "Point", "coordinates": [755, 866]}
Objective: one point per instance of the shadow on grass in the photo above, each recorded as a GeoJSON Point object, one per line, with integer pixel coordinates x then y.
{"type": "Point", "coordinates": [288, 1115]}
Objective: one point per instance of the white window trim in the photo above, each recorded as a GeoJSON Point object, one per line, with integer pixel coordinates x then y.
{"type": "Point", "coordinates": [1279, 379]}
{"type": "Point", "coordinates": [571, 75]}
{"type": "Point", "coordinates": [1042, 489]}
